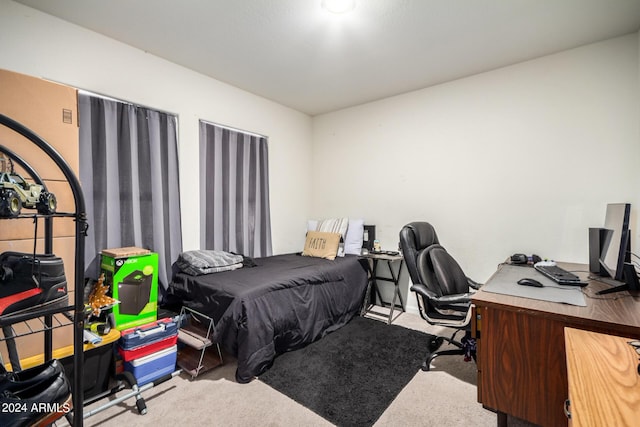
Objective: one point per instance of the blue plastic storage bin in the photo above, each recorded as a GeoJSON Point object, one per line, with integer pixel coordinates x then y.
{"type": "Point", "coordinates": [153, 366]}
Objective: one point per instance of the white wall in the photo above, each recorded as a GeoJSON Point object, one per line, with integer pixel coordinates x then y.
{"type": "Point", "coordinates": [40, 45]}
{"type": "Point", "coordinates": [520, 159]}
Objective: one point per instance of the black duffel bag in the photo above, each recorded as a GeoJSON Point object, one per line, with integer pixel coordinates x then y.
{"type": "Point", "coordinates": [20, 271]}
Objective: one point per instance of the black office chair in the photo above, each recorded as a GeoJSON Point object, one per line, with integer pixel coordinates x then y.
{"type": "Point", "coordinates": [441, 287]}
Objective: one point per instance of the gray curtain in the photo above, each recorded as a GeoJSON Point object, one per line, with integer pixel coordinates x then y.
{"type": "Point", "coordinates": [234, 186]}
{"type": "Point", "coordinates": [129, 176]}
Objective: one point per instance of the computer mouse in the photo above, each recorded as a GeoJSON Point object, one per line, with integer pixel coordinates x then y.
{"type": "Point", "coordinates": [530, 282]}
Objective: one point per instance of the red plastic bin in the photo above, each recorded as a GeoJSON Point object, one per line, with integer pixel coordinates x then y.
{"type": "Point", "coordinates": [145, 350]}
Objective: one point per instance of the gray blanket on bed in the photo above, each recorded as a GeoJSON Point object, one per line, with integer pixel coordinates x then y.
{"type": "Point", "coordinates": [200, 262]}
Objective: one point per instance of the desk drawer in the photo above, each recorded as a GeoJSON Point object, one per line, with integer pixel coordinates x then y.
{"type": "Point", "coordinates": [518, 356]}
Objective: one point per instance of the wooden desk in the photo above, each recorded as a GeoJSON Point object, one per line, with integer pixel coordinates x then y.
{"type": "Point", "coordinates": [520, 347]}
{"type": "Point", "coordinates": [604, 382]}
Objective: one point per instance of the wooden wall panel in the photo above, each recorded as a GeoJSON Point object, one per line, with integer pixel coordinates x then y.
{"type": "Point", "coordinates": [49, 110]}
{"type": "Point", "coordinates": [25, 229]}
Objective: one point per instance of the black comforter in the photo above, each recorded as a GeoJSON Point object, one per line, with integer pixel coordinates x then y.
{"type": "Point", "coordinates": [282, 304]}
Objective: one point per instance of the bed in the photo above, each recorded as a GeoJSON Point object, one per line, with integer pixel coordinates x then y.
{"type": "Point", "coordinates": [282, 303]}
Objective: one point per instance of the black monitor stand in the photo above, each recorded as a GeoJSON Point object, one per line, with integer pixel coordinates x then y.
{"type": "Point", "coordinates": [631, 282]}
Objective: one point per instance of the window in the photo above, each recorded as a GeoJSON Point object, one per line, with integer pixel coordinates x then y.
{"type": "Point", "coordinates": [129, 176]}
{"type": "Point", "coordinates": [234, 187]}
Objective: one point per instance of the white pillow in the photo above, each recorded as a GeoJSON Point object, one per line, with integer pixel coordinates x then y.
{"type": "Point", "coordinates": [355, 235]}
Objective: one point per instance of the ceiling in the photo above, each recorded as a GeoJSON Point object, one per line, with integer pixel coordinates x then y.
{"type": "Point", "coordinates": [299, 55]}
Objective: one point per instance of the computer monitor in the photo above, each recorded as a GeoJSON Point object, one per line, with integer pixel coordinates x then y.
{"type": "Point", "coordinates": [615, 256]}
{"type": "Point", "coordinates": [616, 239]}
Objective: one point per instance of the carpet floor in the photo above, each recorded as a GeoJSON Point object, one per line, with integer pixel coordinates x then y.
{"type": "Point", "coordinates": [444, 397]}
{"type": "Point", "coordinates": [352, 375]}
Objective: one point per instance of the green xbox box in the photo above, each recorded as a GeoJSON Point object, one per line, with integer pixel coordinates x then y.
{"type": "Point", "coordinates": [132, 275]}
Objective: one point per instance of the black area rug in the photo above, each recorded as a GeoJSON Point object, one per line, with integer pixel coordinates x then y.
{"type": "Point", "coordinates": [350, 376]}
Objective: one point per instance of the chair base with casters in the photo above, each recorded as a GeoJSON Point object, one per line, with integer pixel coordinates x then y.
{"type": "Point", "coordinates": [465, 347]}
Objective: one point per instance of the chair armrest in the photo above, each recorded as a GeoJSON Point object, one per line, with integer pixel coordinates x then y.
{"type": "Point", "coordinates": [444, 300]}
{"type": "Point", "coordinates": [453, 299]}
{"type": "Point", "coordinates": [422, 290]}
{"type": "Point", "coordinates": [473, 284]}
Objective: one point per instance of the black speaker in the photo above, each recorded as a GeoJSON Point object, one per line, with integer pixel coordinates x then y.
{"type": "Point", "coordinates": [596, 241]}
{"type": "Point", "coordinates": [369, 237]}
{"type": "Point", "coordinates": [519, 259]}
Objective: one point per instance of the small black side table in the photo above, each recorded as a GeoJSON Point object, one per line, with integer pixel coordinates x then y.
{"type": "Point", "coordinates": [372, 265]}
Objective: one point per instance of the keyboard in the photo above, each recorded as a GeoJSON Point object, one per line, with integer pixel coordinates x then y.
{"type": "Point", "coordinates": [559, 275]}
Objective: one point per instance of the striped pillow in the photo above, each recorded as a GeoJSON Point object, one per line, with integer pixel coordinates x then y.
{"type": "Point", "coordinates": [335, 225]}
